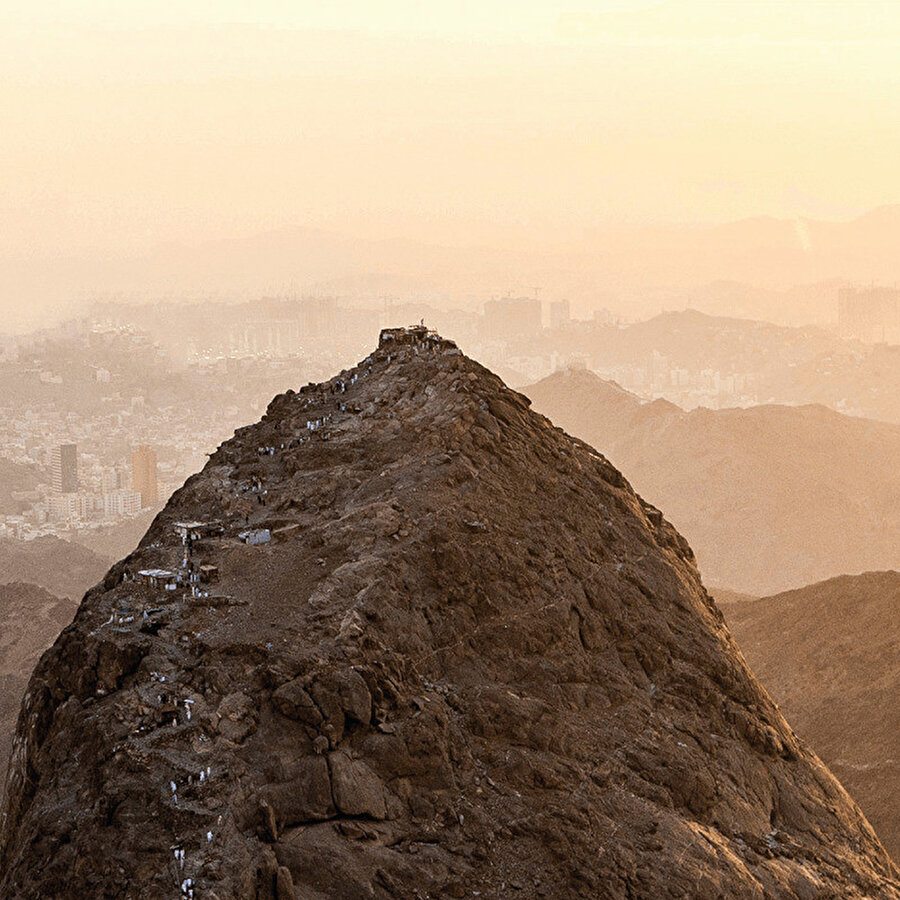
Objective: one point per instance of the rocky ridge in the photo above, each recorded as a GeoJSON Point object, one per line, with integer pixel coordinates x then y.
{"type": "Point", "coordinates": [444, 651]}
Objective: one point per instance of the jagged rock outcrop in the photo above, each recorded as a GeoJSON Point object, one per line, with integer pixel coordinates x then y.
{"type": "Point", "coordinates": [452, 655]}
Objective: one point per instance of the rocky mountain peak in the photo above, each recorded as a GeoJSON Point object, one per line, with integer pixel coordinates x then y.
{"type": "Point", "coordinates": [405, 638]}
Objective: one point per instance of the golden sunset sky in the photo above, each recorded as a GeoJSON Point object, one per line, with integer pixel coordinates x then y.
{"type": "Point", "coordinates": [130, 123]}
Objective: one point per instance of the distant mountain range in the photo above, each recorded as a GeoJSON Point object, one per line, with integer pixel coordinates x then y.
{"type": "Point", "coordinates": [41, 584]}
{"type": "Point", "coordinates": [739, 268]}
{"type": "Point", "coordinates": [763, 251]}
{"type": "Point", "coordinates": [65, 569]}
{"type": "Point", "coordinates": [828, 654]}
{"type": "Point", "coordinates": [770, 497]}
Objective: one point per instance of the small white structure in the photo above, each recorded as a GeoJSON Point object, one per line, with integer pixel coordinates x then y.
{"type": "Point", "coordinates": [197, 530]}
{"type": "Point", "coordinates": [256, 536]}
{"type": "Point", "coordinates": [159, 578]}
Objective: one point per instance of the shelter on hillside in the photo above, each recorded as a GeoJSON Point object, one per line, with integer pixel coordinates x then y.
{"type": "Point", "coordinates": [209, 574]}
{"type": "Point", "coordinates": [159, 578]}
{"type": "Point", "coordinates": [197, 530]}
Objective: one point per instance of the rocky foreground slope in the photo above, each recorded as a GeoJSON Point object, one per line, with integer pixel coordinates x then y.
{"type": "Point", "coordinates": [770, 497]}
{"type": "Point", "coordinates": [828, 655]}
{"type": "Point", "coordinates": [453, 655]}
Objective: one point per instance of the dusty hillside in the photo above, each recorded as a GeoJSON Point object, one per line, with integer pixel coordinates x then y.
{"type": "Point", "coordinates": [724, 597]}
{"type": "Point", "coordinates": [41, 582]}
{"type": "Point", "coordinates": [61, 567]}
{"type": "Point", "coordinates": [770, 498]}
{"type": "Point", "coordinates": [470, 662]}
{"type": "Point", "coordinates": [30, 621]}
{"type": "Point", "coordinates": [115, 541]}
{"type": "Point", "coordinates": [828, 655]}
{"type": "Point", "coordinates": [15, 477]}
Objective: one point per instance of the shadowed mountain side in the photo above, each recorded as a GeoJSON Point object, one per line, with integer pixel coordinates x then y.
{"type": "Point", "coordinates": [15, 478]}
{"type": "Point", "coordinates": [41, 583]}
{"type": "Point", "coordinates": [61, 567]}
{"type": "Point", "coordinates": [828, 654]}
{"type": "Point", "coordinates": [30, 621]}
{"type": "Point", "coordinates": [115, 541]}
{"type": "Point", "coordinates": [446, 651]}
{"type": "Point", "coordinates": [769, 497]}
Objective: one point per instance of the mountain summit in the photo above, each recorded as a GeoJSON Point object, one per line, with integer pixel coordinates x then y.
{"type": "Point", "coordinates": [404, 638]}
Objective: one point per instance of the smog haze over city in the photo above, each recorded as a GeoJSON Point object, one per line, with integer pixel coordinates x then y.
{"type": "Point", "coordinates": [627, 155]}
{"type": "Point", "coordinates": [671, 227]}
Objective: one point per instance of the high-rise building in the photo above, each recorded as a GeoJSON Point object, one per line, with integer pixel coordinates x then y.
{"type": "Point", "coordinates": [63, 507]}
{"type": "Point", "coordinates": [64, 468]}
{"type": "Point", "coordinates": [143, 474]}
{"type": "Point", "coordinates": [117, 504]}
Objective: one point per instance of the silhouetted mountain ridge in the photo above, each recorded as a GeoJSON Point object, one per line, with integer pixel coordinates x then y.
{"type": "Point", "coordinates": [827, 652]}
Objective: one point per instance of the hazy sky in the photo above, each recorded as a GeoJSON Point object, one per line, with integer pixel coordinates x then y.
{"type": "Point", "coordinates": [129, 123]}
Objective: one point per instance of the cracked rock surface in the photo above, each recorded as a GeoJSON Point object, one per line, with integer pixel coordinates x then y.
{"type": "Point", "coordinates": [465, 659]}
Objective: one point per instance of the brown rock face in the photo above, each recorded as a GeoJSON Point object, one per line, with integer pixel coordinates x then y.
{"type": "Point", "coordinates": [481, 665]}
